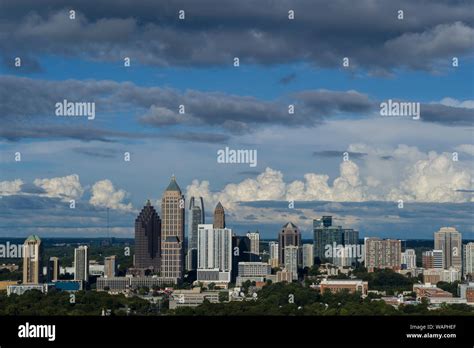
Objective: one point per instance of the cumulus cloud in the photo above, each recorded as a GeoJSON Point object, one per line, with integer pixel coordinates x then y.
{"type": "Point", "coordinates": [435, 179]}
{"type": "Point", "coordinates": [66, 187]}
{"type": "Point", "coordinates": [466, 148]}
{"type": "Point", "coordinates": [105, 195]}
{"type": "Point", "coordinates": [468, 104]}
{"type": "Point", "coordinates": [8, 188]}
{"type": "Point", "coordinates": [415, 177]}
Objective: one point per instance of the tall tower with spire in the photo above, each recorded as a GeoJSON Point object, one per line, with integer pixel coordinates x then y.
{"type": "Point", "coordinates": [148, 239]}
{"type": "Point", "coordinates": [219, 216]}
{"type": "Point", "coordinates": [172, 231]}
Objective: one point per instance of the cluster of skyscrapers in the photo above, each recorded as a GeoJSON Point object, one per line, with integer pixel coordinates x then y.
{"type": "Point", "coordinates": [160, 242]}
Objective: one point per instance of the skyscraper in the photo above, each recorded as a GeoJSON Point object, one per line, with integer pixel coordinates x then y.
{"type": "Point", "coordinates": [289, 235]}
{"type": "Point", "coordinates": [147, 239]}
{"type": "Point", "coordinates": [219, 216]}
{"type": "Point", "coordinates": [254, 245]}
{"type": "Point", "coordinates": [110, 266]}
{"type": "Point", "coordinates": [52, 269]}
{"type": "Point", "coordinates": [291, 253]}
{"type": "Point", "coordinates": [409, 259]}
{"type": "Point", "coordinates": [32, 267]}
{"type": "Point", "coordinates": [382, 253]}
{"type": "Point", "coordinates": [308, 259]}
{"type": "Point", "coordinates": [449, 240]}
{"type": "Point", "coordinates": [172, 231]}
{"type": "Point", "coordinates": [196, 217]}
{"type": "Point", "coordinates": [326, 236]}
{"type": "Point", "coordinates": [468, 270]}
{"type": "Point", "coordinates": [214, 253]}
{"type": "Point", "coordinates": [81, 263]}
{"type": "Point", "coordinates": [274, 259]}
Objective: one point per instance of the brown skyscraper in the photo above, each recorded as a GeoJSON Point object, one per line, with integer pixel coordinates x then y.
{"type": "Point", "coordinates": [219, 216]}
{"type": "Point", "coordinates": [147, 239]}
{"type": "Point", "coordinates": [289, 235]}
{"type": "Point", "coordinates": [172, 231]}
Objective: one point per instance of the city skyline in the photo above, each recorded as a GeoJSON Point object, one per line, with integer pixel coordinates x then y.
{"type": "Point", "coordinates": [306, 118]}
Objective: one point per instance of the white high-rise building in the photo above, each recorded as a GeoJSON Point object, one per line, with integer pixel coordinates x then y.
{"type": "Point", "coordinates": [274, 249]}
{"type": "Point", "coordinates": [214, 253]}
{"type": "Point", "coordinates": [254, 243]}
{"type": "Point", "coordinates": [468, 269]}
{"type": "Point", "coordinates": [81, 263]}
{"type": "Point", "coordinates": [291, 260]}
{"type": "Point", "coordinates": [409, 258]}
{"type": "Point", "coordinates": [273, 246]}
{"type": "Point", "coordinates": [449, 240]}
{"type": "Point", "coordinates": [308, 259]}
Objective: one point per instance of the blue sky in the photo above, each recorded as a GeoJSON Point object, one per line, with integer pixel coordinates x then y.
{"type": "Point", "coordinates": [190, 63]}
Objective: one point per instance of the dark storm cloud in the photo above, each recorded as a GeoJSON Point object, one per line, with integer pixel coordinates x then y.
{"type": "Point", "coordinates": [257, 31]}
{"type": "Point", "coordinates": [447, 115]}
{"type": "Point", "coordinates": [30, 111]}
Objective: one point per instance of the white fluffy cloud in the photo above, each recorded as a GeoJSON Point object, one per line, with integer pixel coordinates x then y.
{"type": "Point", "coordinates": [8, 188]}
{"type": "Point", "coordinates": [409, 174]}
{"type": "Point", "coordinates": [105, 195]}
{"type": "Point", "coordinates": [435, 179]}
{"type": "Point", "coordinates": [466, 148]}
{"type": "Point", "coordinates": [270, 185]}
{"type": "Point", "coordinates": [468, 104]}
{"type": "Point", "coordinates": [66, 187]}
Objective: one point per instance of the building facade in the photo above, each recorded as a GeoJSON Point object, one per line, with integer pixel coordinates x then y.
{"type": "Point", "coordinates": [148, 239]}
{"type": "Point", "coordinates": [214, 253]}
{"type": "Point", "coordinates": [289, 236]}
{"type": "Point", "coordinates": [52, 270]}
{"type": "Point", "coordinates": [308, 259]}
{"type": "Point", "coordinates": [409, 259]}
{"type": "Point", "coordinates": [254, 244]}
{"type": "Point", "coordinates": [328, 238]}
{"type": "Point", "coordinates": [468, 269]}
{"type": "Point", "coordinates": [172, 232]}
{"type": "Point", "coordinates": [81, 263]}
{"type": "Point", "coordinates": [196, 218]}
{"type": "Point", "coordinates": [219, 216]}
{"type": "Point", "coordinates": [110, 266]}
{"type": "Point", "coordinates": [32, 267]}
{"type": "Point", "coordinates": [291, 253]}
{"type": "Point", "coordinates": [382, 253]}
{"type": "Point", "coordinates": [449, 240]}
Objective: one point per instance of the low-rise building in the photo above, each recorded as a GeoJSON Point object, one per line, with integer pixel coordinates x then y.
{"type": "Point", "coordinates": [284, 276]}
{"type": "Point", "coordinates": [122, 284]}
{"type": "Point", "coordinates": [429, 290]}
{"type": "Point", "coordinates": [20, 289]}
{"type": "Point", "coordinates": [355, 285]}
{"type": "Point", "coordinates": [192, 298]}
{"type": "Point", "coordinates": [434, 276]}
{"type": "Point", "coordinates": [466, 291]}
